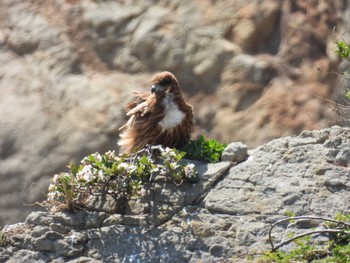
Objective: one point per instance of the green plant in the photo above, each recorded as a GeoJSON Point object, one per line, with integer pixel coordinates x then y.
{"type": "Point", "coordinates": [118, 176]}
{"type": "Point", "coordinates": [343, 50]}
{"type": "Point", "coordinates": [204, 149]}
{"type": "Point", "coordinates": [347, 94]}
{"type": "Point", "coordinates": [290, 214]}
{"type": "Point", "coordinates": [308, 249]}
{"type": "Point", "coordinates": [3, 240]}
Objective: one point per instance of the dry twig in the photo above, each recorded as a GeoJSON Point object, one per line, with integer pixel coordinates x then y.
{"type": "Point", "coordinates": [274, 248]}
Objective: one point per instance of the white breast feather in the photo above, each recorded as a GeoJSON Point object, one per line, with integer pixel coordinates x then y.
{"type": "Point", "coordinates": [173, 115]}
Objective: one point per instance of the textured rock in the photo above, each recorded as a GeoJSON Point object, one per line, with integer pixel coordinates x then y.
{"type": "Point", "coordinates": [235, 152]}
{"type": "Point", "coordinates": [306, 175]}
{"type": "Point", "coordinates": [96, 235]}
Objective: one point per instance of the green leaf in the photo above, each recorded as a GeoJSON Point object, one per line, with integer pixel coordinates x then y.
{"type": "Point", "coordinates": [347, 95]}
{"type": "Point", "coordinates": [144, 160]}
{"type": "Point", "coordinates": [343, 49]}
{"type": "Point", "coordinates": [65, 178]}
{"type": "Point", "coordinates": [73, 169]}
{"type": "Point", "coordinates": [91, 158]}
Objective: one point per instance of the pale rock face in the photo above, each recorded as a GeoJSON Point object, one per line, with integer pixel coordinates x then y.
{"type": "Point", "coordinates": [253, 72]}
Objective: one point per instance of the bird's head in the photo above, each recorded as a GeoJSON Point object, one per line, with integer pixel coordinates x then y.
{"type": "Point", "coordinates": [163, 83]}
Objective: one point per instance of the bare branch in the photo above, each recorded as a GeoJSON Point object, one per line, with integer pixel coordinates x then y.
{"type": "Point", "coordinates": [308, 233]}
{"type": "Point", "coordinates": [273, 248]}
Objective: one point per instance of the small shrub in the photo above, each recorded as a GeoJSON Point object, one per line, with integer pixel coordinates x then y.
{"type": "Point", "coordinates": [343, 50]}
{"type": "Point", "coordinates": [307, 249]}
{"type": "Point", "coordinates": [118, 176]}
{"type": "Point", "coordinates": [204, 149]}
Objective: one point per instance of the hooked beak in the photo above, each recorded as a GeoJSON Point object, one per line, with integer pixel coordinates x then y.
{"type": "Point", "coordinates": [156, 88]}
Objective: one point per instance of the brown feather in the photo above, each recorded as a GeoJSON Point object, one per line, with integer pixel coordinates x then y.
{"type": "Point", "coordinates": [156, 118]}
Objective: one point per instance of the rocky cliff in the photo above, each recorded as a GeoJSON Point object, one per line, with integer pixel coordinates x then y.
{"type": "Point", "coordinates": [223, 218]}
{"type": "Point", "coordinates": [254, 71]}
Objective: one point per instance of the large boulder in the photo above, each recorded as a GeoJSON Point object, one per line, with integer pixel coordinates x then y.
{"type": "Point", "coordinates": [224, 217]}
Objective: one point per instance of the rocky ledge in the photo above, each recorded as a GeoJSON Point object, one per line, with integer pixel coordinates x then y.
{"type": "Point", "coordinates": [224, 217]}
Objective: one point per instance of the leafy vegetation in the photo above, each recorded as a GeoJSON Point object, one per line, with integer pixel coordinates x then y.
{"type": "Point", "coordinates": [3, 240]}
{"type": "Point", "coordinates": [118, 176]}
{"type": "Point", "coordinates": [125, 176]}
{"type": "Point", "coordinates": [343, 50]}
{"type": "Point", "coordinates": [204, 149]}
{"type": "Point", "coordinates": [308, 248]}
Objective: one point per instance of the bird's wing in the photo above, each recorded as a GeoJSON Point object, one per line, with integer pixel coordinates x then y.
{"type": "Point", "coordinates": [140, 97]}
{"type": "Point", "coordinates": [130, 121]}
{"type": "Point", "coordinates": [139, 107]}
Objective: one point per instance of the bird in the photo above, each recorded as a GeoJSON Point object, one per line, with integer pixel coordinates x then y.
{"type": "Point", "coordinates": [159, 117]}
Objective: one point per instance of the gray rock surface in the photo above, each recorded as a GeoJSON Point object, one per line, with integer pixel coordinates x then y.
{"type": "Point", "coordinates": [222, 218]}
{"type": "Point", "coordinates": [235, 152]}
